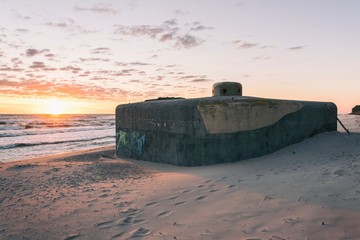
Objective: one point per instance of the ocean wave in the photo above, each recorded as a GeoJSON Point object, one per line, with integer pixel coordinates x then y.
{"type": "Point", "coordinates": [32, 132]}
{"type": "Point", "coordinates": [21, 145]}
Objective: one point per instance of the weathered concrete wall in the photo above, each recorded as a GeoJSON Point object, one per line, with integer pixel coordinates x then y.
{"type": "Point", "coordinates": [217, 129]}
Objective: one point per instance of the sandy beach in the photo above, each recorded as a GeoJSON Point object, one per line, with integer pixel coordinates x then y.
{"type": "Point", "coordinates": [309, 190]}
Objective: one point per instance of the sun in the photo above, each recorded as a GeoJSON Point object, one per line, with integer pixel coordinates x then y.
{"type": "Point", "coordinates": [55, 107]}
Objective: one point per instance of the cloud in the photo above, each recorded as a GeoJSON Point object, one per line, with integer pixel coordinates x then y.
{"type": "Point", "coordinates": [198, 27]}
{"type": "Point", "coordinates": [50, 55]}
{"type": "Point", "coordinates": [69, 24]}
{"type": "Point", "coordinates": [262, 57]}
{"type": "Point", "coordinates": [138, 31]}
{"type": "Point", "coordinates": [180, 12]}
{"type": "Point", "coordinates": [18, 15]}
{"type": "Point", "coordinates": [71, 68]}
{"type": "Point", "coordinates": [37, 65]}
{"type": "Point", "coordinates": [9, 69]}
{"type": "Point", "coordinates": [16, 61]}
{"type": "Point", "coordinates": [168, 31]}
{"type": "Point", "coordinates": [33, 87]}
{"type": "Point", "coordinates": [296, 48]}
{"type": "Point", "coordinates": [22, 30]}
{"type": "Point", "coordinates": [100, 50]}
{"type": "Point", "coordinates": [200, 80]}
{"type": "Point", "coordinates": [167, 37]}
{"type": "Point", "coordinates": [127, 64]}
{"type": "Point", "coordinates": [195, 78]}
{"type": "Point", "coordinates": [63, 24]}
{"type": "Point", "coordinates": [171, 22]}
{"type": "Point", "coordinates": [246, 45]}
{"type": "Point", "coordinates": [102, 8]}
{"type": "Point", "coordinates": [94, 59]}
{"type": "Point", "coordinates": [41, 66]}
{"type": "Point", "coordinates": [188, 41]}
{"type": "Point", "coordinates": [32, 52]}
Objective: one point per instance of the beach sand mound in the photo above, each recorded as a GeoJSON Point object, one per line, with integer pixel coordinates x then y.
{"type": "Point", "coordinates": [309, 190]}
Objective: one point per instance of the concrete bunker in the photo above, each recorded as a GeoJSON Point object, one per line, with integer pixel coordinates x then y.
{"type": "Point", "coordinates": [227, 89]}
{"type": "Point", "coordinates": [227, 127]}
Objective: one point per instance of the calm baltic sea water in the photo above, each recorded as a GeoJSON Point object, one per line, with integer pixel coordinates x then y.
{"type": "Point", "coordinates": [27, 136]}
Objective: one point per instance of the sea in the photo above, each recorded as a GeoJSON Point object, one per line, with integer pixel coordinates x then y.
{"type": "Point", "coordinates": [28, 136]}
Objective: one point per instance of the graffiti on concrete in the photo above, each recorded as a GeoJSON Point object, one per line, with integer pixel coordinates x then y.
{"type": "Point", "coordinates": [130, 143]}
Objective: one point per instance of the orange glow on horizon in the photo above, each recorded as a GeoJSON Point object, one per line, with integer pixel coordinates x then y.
{"type": "Point", "coordinates": [55, 107]}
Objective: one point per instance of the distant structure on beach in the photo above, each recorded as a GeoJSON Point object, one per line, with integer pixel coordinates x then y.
{"type": "Point", "coordinates": [356, 110]}
{"type": "Point", "coordinates": [226, 127]}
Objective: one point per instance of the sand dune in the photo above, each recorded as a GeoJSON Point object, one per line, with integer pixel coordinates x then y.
{"type": "Point", "coordinates": [310, 190]}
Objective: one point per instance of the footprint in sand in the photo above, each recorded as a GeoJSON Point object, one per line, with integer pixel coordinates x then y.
{"type": "Point", "coordinates": [104, 195]}
{"type": "Point", "coordinates": [165, 213]}
{"type": "Point", "coordinates": [131, 211]}
{"type": "Point", "coordinates": [137, 233]}
{"type": "Point", "coordinates": [173, 197]}
{"type": "Point", "coordinates": [222, 179]}
{"type": "Point", "coordinates": [214, 190]}
{"type": "Point", "coordinates": [231, 186]}
{"type": "Point", "coordinates": [200, 186]}
{"type": "Point", "coordinates": [152, 204]}
{"type": "Point", "coordinates": [207, 181]}
{"type": "Point", "coordinates": [104, 224]}
{"type": "Point", "coordinates": [140, 221]}
{"type": "Point", "coordinates": [201, 198]}
{"type": "Point", "coordinates": [140, 232]}
{"type": "Point", "coordinates": [292, 221]}
{"type": "Point", "coordinates": [127, 221]}
{"type": "Point", "coordinates": [118, 236]}
{"type": "Point", "coordinates": [181, 203]}
{"type": "Point", "coordinates": [187, 191]}
{"type": "Point", "coordinates": [74, 237]}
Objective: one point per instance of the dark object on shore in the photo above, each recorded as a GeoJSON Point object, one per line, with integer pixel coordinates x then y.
{"type": "Point", "coordinates": [356, 110]}
{"type": "Point", "coordinates": [220, 129]}
{"type": "Point", "coordinates": [163, 98]}
{"type": "Point", "coordinates": [335, 116]}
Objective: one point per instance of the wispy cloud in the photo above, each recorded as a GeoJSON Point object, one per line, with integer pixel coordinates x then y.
{"type": "Point", "coordinates": [32, 52]}
{"type": "Point", "coordinates": [195, 78]}
{"type": "Point", "coordinates": [188, 41]}
{"type": "Point", "coordinates": [296, 48]}
{"type": "Point", "coordinates": [262, 57]}
{"type": "Point", "coordinates": [197, 26]}
{"type": "Point", "coordinates": [20, 16]}
{"type": "Point", "coordinates": [102, 8]}
{"type": "Point", "coordinates": [100, 50]}
{"type": "Point", "coordinates": [93, 59]}
{"type": "Point", "coordinates": [37, 65]}
{"type": "Point", "coordinates": [22, 30]}
{"type": "Point", "coordinates": [69, 25]}
{"type": "Point", "coordinates": [180, 12]}
{"type": "Point", "coordinates": [62, 24]}
{"type": "Point", "coordinates": [71, 68]}
{"type": "Point", "coordinates": [127, 64]}
{"type": "Point", "coordinates": [244, 45]}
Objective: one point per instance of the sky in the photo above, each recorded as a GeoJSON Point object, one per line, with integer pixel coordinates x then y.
{"type": "Point", "coordinates": [90, 56]}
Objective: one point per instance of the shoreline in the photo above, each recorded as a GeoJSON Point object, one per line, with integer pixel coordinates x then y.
{"type": "Point", "coordinates": [64, 154]}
